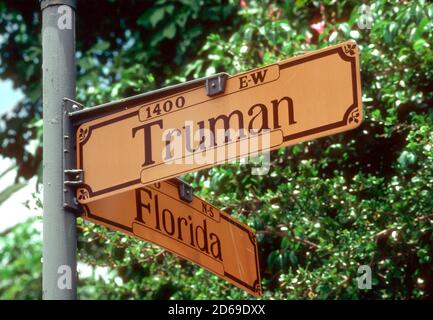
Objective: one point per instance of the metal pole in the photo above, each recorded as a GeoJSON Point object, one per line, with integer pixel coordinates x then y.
{"type": "Point", "coordinates": [59, 226]}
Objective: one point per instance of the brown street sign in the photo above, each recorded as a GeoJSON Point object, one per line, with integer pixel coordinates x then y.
{"type": "Point", "coordinates": [194, 127]}
{"type": "Point", "coordinates": [168, 215]}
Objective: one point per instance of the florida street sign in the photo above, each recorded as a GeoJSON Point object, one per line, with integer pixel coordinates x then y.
{"type": "Point", "coordinates": [169, 215]}
{"type": "Point", "coordinates": [199, 125]}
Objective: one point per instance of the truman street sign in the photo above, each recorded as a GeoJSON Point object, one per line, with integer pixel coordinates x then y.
{"type": "Point", "coordinates": [164, 135]}
{"type": "Point", "coordinates": [167, 214]}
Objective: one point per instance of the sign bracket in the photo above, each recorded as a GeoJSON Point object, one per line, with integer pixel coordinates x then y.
{"type": "Point", "coordinates": [185, 191]}
{"type": "Point", "coordinates": [216, 84]}
{"type": "Point", "coordinates": [213, 85]}
{"type": "Point", "coordinates": [72, 177]}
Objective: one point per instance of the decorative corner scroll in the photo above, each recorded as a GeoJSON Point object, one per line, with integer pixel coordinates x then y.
{"type": "Point", "coordinates": [354, 116]}
{"type": "Point", "coordinates": [82, 194]}
{"type": "Point", "coordinates": [349, 49]}
{"type": "Point", "coordinates": [82, 133]}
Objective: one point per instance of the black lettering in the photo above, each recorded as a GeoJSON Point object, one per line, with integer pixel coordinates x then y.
{"type": "Point", "coordinates": [140, 205]}
{"type": "Point", "coordinates": [206, 209]}
{"type": "Point", "coordinates": [147, 139]}
{"type": "Point", "coordinates": [204, 232]}
{"type": "Point", "coordinates": [259, 76]}
{"type": "Point", "coordinates": [179, 220]}
{"type": "Point", "coordinates": [164, 221]}
{"type": "Point", "coordinates": [215, 246]}
{"type": "Point", "coordinates": [243, 82]}
{"type": "Point", "coordinates": [275, 104]}
{"type": "Point", "coordinates": [157, 213]}
{"type": "Point", "coordinates": [226, 121]}
{"type": "Point", "coordinates": [201, 145]}
{"type": "Point", "coordinates": [168, 140]}
{"type": "Point", "coordinates": [191, 232]}
{"type": "Point", "coordinates": [188, 139]}
{"type": "Point", "coordinates": [264, 117]}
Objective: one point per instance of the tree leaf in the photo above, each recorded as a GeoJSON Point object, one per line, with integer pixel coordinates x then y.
{"type": "Point", "coordinates": [157, 16]}
{"type": "Point", "coordinates": [169, 31]}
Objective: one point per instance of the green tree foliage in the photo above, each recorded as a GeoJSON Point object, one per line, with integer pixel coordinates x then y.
{"type": "Point", "coordinates": [20, 261]}
{"type": "Point", "coordinates": [327, 206]}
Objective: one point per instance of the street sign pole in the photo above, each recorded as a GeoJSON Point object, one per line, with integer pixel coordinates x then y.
{"type": "Point", "coordinates": [59, 224]}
